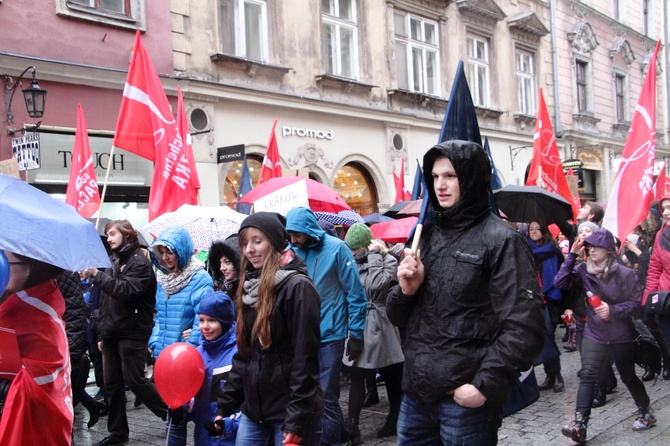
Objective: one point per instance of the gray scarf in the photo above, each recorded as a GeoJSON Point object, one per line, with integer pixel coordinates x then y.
{"type": "Point", "coordinates": [250, 294]}
{"type": "Point", "coordinates": [174, 282]}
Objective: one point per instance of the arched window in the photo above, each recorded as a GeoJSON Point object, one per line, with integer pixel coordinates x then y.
{"type": "Point", "coordinates": [231, 187]}
{"type": "Point", "coordinates": [354, 183]}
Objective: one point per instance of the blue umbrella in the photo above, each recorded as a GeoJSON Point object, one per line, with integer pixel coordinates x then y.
{"type": "Point", "coordinates": [38, 226]}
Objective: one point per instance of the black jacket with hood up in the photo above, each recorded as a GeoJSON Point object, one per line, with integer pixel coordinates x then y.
{"type": "Point", "coordinates": [477, 317]}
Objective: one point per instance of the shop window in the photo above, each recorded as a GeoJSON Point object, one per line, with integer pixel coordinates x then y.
{"type": "Point", "coordinates": [355, 185]}
{"type": "Point", "coordinates": [232, 183]}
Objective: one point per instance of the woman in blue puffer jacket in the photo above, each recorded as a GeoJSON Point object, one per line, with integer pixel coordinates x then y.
{"type": "Point", "coordinates": [182, 283]}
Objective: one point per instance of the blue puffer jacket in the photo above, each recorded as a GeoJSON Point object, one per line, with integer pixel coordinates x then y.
{"type": "Point", "coordinates": [177, 310]}
{"type": "Point", "coordinates": [333, 269]}
{"type": "Point", "coordinates": [218, 357]}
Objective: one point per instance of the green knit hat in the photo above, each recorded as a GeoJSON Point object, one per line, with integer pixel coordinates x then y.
{"type": "Point", "coordinates": [358, 236]}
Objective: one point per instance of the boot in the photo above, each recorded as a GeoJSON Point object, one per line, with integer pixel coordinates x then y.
{"type": "Point", "coordinates": [559, 385]}
{"type": "Point", "coordinates": [95, 411]}
{"type": "Point", "coordinates": [548, 382]}
{"type": "Point", "coordinates": [355, 437]}
{"type": "Point", "coordinates": [371, 398]}
{"type": "Point", "coordinates": [572, 339]}
{"type": "Point", "coordinates": [648, 375]}
{"type": "Point", "coordinates": [389, 429]}
{"type": "Point", "coordinates": [599, 398]}
{"type": "Point", "coordinates": [577, 429]}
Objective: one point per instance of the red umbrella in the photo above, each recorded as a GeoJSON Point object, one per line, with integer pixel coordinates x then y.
{"type": "Point", "coordinates": [395, 231]}
{"type": "Point", "coordinates": [321, 197]}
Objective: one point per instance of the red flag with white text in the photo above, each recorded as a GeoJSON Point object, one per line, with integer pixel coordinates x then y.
{"type": "Point", "coordinates": [271, 163]}
{"type": "Point", "coordinates": [661, 186]}
{"type": "Point", "coordinates": [632, 192]}
{"type": "Point", "coordinates": [546, 169]}
{"type": "Point", "coordinates": [401, 193]}
{"type": "Point", "coordinates": [147, 128]}
{"type": "Point", "coordinates": [185, 132]}
{"type": "Point", "coordinates": [82, 188]}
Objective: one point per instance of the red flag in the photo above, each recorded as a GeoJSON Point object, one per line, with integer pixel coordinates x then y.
{"type": "Point", "coordinates": [41, 393]}
{"type": "Point", "coordinates": [547, 160]}
{"type": "Point", "coordinates": [661, 185]}
{"type": "Point", "coordinates": [401, 193]}
{"type": "Point", "coordinates": [147, 128]}
{"type": "Point", "coordinates": [271, 163]}
{"type": "Point", "coordinates": [184, 131]}
{"type": "Point", "coordinates": [632, 193]}
{"type": "Point", "coordinates": [82, 189]}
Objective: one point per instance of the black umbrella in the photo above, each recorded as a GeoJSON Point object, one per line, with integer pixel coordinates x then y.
{"type": "Point", "coordinates": [528, 203]}
{"type": "Point", "coordinates": [393, 210]}
{"type": "Point", "coordinates": [375, 217]}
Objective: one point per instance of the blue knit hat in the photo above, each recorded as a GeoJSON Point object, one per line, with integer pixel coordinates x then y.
{"type": "Point", "coordinates": [219, 306]}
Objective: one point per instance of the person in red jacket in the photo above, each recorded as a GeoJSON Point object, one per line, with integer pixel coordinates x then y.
{"type": "Point", "coordinates": [658, 274]}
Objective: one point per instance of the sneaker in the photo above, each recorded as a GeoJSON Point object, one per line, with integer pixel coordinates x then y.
{"type": "Point", "coordinates": [644, 421]}
{"type": "Point", "coordinates": [111, 441]}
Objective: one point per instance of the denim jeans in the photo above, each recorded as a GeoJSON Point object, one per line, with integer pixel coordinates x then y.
{"type": "Point", "coordinates": [447, 423]}
{"type": "Point", "coordinates": [178, 433]}
{"type": "Point", "coordinates": [255, 434]}
{"type": "Point", "coordinates": [330, 362]}
{"type": "Point", "coordinates": [593, 356]}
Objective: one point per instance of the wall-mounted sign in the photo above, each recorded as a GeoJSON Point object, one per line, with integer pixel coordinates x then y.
{"type": "Point", "coordinates": [229, 154]}
{"type": "Point", "coordinates": [26, 150]}
{"type": "Point", "coordinates": [592, 157]}
{"type": "Point", "coordinates": [572, 164]}
{"type": "Point", "coordinates": [306, 133]}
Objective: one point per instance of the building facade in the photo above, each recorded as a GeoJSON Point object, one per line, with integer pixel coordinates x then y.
{"type": "Point", "coordinates": [355, 85]}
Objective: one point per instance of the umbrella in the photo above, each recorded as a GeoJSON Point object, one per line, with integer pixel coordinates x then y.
{"type": "Point", "coordinates": [528, 203]}
{"type": "Point", "coordinates": [321, 197]}
{"type": "Point", "coordinates": [413, 208]}
{"type": "Point", "coordinates": [205, 224]}
{"type": "Point", "coordinates": [393, 210]}
{"type": "Point", "coordinates": [341, 218]}
{"type": "Point", "coordinates": [38, 226]}
{"type": "Point", "coordinates": [375, 217]}
{"type": "Point", "coordinates": [395, 231]}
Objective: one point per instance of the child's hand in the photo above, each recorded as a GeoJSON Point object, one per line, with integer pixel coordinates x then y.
{"type": "Point", "coordinates": [186, 334]}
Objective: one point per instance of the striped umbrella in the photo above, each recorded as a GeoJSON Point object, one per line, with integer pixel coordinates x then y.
{"type": "Point", "coordinates": [347, 217]}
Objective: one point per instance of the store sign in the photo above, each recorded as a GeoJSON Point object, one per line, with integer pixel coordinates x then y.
{"type": "Point", "coordinates": [229, 153]}
{"type": "Point", "coordinates": [306, 133]}
{"type": "Point", "coordinates": [26, 150]}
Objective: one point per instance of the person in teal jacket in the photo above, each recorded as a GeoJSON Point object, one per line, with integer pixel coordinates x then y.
{"type": "Point", "coordinates": [182, 283]}
{"type": "Point", "coordinates": [333, 269]}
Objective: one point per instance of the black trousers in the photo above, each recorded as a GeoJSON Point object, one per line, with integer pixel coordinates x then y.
{"type": "Point", "coordinates": [123, 362]}
{"type": "Point", "coordinates": [593, 356]}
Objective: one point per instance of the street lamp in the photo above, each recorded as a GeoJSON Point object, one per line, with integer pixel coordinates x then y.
{"type": "Point", "coordinates": [34, 96]}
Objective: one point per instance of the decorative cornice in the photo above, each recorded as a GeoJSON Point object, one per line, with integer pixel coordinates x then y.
{"type": "Point", "coordinates": [420, 98]}
{"type": "Point", "coordinates": [624, 47]}
{"type": "Point", "coordinates": [528, 22]}
{"type": "Point", "coordinates": [487, 9]}
{"type": "Point", "coordinates": [583, 39]}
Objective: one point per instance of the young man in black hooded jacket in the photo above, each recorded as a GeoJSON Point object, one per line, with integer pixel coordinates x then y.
{"type": "Point", "coordinates": [471, 304]}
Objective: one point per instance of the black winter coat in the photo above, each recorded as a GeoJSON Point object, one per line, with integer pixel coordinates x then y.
{"type": "Point", "coordinates": [75, 313]}
{"type": "Point", "coordinates": [128, 296]}
{"type": "Point", "coordinates": [477, 318]}
{"type": "Point", "coordinates": [281, 383]}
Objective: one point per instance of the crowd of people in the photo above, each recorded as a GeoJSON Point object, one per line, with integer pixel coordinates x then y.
{"type": "Point", "coordinates": [285, 307]}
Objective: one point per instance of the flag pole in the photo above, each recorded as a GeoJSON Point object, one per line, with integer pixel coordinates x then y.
{"type": "Point", "coordinates": [104, 187]}
{"type": "Point", "coordinates": [417, 237]}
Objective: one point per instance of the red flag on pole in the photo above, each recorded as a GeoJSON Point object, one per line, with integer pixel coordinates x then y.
{"type": "Point", "coordinates": [632, 192]}
{"type": "Point", "coordinates": [661, 185]}
{"type": "Point", "coordinates": [82, 189]}
{"type": "Point", "coordinates": [147, 128]}
{"type": "Point", "coordinates": [401, 193]}
{"type": "Point", "coordinates": [546, 167]}
{"type": "Point", "coordinates": [271, 163]}
{"type": "Point", "coordinates": [184, 131]}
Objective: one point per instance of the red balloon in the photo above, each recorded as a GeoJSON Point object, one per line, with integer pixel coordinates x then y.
{"type": "Point", "coordinates": [179, 373]}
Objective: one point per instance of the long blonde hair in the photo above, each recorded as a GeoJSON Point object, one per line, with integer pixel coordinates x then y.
{"type": "Point", "coordinates": [266, 300]}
